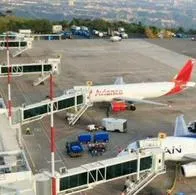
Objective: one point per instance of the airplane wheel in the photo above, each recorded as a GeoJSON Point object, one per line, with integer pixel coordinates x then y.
{"type": "Point", "coordinates": [132, 108]}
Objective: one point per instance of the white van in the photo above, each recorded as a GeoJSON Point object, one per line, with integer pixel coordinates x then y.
{"type": "Point", "coordinates": [112, 124]}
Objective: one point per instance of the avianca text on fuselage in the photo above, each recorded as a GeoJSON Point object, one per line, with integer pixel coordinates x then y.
{"type": "Point", "coordinates": [108, 92]}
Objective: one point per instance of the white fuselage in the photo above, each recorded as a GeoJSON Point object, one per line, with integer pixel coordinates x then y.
{"type": "Point", "coordinates": [175, 148]}
{"type": "Point", "coordinates": [107, 93]}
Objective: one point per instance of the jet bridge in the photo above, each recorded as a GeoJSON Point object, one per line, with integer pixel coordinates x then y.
{"type": "Point", "coordinates": [42, 67]}
{"type": "Point", "coordinates": [20, 44]}
{"type": "Point", "coordinates": [145, 164]}
{"type": "Point", "coordinates": [71, 100]}
{"type": "Point", "coordinates": [16, 43]}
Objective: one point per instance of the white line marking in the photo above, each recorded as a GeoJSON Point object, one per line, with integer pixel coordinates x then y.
{"type": "Point", "coordinates": [39, 146]}
{"type": "Point", "coordinates": [31, 159]}
{"type": "Point", "coordinates": [49, 161]}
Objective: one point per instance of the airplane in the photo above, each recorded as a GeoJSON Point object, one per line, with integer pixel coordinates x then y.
{"type": "Point", "coordinates": [122, 96]}
{"type": "Point", "coordinates": [179, 147]}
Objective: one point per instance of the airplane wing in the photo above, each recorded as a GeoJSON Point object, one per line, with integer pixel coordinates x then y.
{"type": "Point", "coordinates": [119, 81]}
{"type": "Point", "coordinates": [180, 127]}
{"type": "Point", "coordinates": [139, 101]}
{"type": "Point", "coordinates": [190, 156]}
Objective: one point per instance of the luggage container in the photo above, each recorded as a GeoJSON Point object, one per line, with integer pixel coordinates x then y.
{"type": "Point", "coordinates": [85, 138]}
{"type": "Point", "coordinates": [101, 137]}
{"type": "Point", "coordinates": [74, 149]}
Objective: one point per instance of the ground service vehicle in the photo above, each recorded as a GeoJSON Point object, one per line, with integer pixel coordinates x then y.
{"type": "Point", "coordinates": [74, 149]}
{"type": "Point", "coordinates": [192, 126]}
{"type": "Point", "coordinates": [112, 124]}
{"type": "Point", "coordinates": [92, 127]}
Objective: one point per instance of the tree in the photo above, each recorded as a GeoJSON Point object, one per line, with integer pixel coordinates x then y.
{"type": "Point", "coordinates": [4, 22]}
{"type": "Point", "coordinates": [180, 30]}
{"type": "Point", "coordinates": [64, 23]}
{"type": "Point", "coordinates": [192, 31]}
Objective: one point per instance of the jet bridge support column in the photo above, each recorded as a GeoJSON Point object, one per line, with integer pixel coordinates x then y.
{"type": "Point", "coordinates": [42, 73]}
{"type": "Point", "coordinates": [75, 106]}
{"type": "Point", "coordinates": [9, 83]}
{"type": "Point", "coordinates": [53, 147]}
{"type": "Point", "coordinates": [138, 164]}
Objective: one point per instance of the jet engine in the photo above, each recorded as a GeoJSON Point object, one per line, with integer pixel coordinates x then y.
{"type": "Point", "coordinates": [189, 170]}
{"type": "Point", "coordinates": [122, 106]}
{"type": "Point", "coordinates": [118, 106]}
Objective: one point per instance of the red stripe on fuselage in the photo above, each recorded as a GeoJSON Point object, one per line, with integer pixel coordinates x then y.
{"type": "Point", "coordinates": [178, 87]}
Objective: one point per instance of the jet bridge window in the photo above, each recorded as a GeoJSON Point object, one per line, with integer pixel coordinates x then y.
{"type": "Point", "coordinates": [121, 169]}
{"type": "Point", "coordinates": [15, 44]}
{"type": "Point", "coordinates": [29, 68]}
{"type": "Point", "coordinates": [47, 67]}
{"type": "Point", "coordinates": [32, 68]}
{"type": "Point", "coordinates": [100, 175]}
{"type": "Point", "coordinates": [14, 69]}
{"type": "Point", "coordinates": [146, 163]}
{"type": "Point", "coordinates": [35, 111]}
{"type": "Point", "coordinates": [23, 44]}
{"type": "Point", "coordinates": [12, 44]}
{"type": "Point", "coordinates": [79, 99]}
{"type": "Point", "coordinates": [66, 103]}
{"type": "Point", "coordinates": [73, 181]}
{"type": "Point", "coordinates": [62, 104]}
{"type": "Point", "coordinates": [4, 69]}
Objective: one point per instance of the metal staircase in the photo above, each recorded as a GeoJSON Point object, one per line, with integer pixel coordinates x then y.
{"type": "Point", "coordinates": [144, 180]}
{"type": "Point", "coordinates": [19, 51]}
{"type": "Point", "coordinates": [41, 79]}
{"type": "Point", "coordinates": [73, 118]}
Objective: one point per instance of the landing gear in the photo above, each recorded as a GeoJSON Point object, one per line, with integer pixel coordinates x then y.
{"type": "Point", "coordinates": [132, 107]}
{"type": "Point", "coordinates": [108, 111]}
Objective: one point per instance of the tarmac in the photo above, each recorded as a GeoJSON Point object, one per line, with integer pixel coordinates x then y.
{"type": "Point", "coordinates": [102, 61]}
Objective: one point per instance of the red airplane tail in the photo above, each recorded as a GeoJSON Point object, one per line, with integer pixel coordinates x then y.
{"type": "Point", "coordinates": [185, 73]}
{"type": "Point", "coordinates": [182, 79]}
